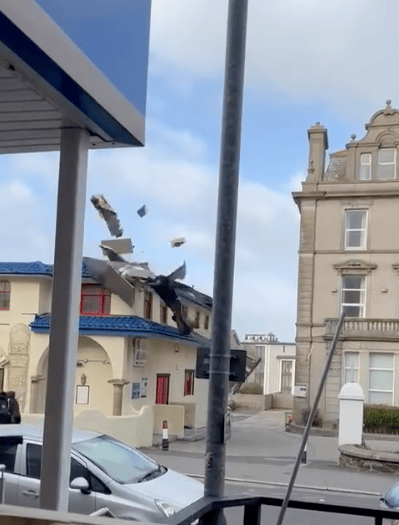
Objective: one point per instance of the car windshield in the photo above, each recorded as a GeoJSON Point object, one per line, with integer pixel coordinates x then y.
{"type": "Point", "coordinates": [121, 462]}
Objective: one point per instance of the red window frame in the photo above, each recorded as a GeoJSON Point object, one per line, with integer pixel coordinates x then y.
{"type": "Point", "coordinates": [5, 293]}
{"type": "Point", "coordinates": [147, 304]}
{"type": "Point", "coordinates": [102, 296]}
{"type": "Point", "coordinates": [163, 312]}
{"type": "Point", "coordinates": [189, 382]}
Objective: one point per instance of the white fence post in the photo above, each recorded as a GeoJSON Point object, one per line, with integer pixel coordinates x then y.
{"type": "Point", "coordinates": [351, 399]}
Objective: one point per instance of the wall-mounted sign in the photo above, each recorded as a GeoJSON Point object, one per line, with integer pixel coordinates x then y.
{"type": "Point", "coordinates": [300, 391]}
{"type": "Point", "coordinates": [82, 394]}
{"type": "Point", "coordinates": [136, 390]}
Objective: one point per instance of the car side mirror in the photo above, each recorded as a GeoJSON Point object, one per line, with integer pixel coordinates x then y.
{"type": "Point", "coordinates": [80, 484]}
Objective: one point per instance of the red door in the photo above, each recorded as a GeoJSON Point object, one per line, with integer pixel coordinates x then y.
{"type": "Point", "coordinates": [162, 392]}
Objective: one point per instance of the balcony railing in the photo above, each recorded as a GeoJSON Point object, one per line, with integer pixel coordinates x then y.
{"type": "Point", "coordinates": [202, 508]}
{"type": "Point", "coordinates": [362, 328]}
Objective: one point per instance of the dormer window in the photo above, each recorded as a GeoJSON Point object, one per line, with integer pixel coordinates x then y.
{"type": "Point", "coordinates": [94, 300]}
{"type": "Point", "coordinates": [365, 166]}
{"type": "Point", "coordinates": [386, 164]}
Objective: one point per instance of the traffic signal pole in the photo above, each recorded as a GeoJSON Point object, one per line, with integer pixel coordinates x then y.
{"type": "Point", "coordinates": [224, 255]}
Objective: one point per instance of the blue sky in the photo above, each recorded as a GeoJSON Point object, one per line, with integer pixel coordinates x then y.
{"type": "Point", "coordinates": [307, 61]}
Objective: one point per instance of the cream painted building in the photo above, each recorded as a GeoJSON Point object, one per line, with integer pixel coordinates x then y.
{"type": "Point", "coordinates": [128, 357]}
{"type": "Point", "coordinates": [349, 261]}
{"type": "Point", "coordinates": [276, 371]}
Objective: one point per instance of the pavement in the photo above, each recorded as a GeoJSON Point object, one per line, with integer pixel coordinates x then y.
{"type": "Point", "coordinates": [261, 452]}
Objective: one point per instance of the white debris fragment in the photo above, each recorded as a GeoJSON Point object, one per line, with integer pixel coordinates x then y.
{"type": "Point", "coordinates": [175, 243]}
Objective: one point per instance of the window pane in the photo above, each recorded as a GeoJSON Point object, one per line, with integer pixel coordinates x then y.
{"type": "Point", "coordinates": [4, 301]}
{"type": "Point", "coordinates": [354, 239]}
{"type": "Point", "coordinates": [352, 296]}
{"type": "Point", "coordinates": [352, 311]}
{"type": "Point", "coordinates": [386, 156]}
{"type": "Point", "coordinates": [356, 219]}
{"type": "Point", "coordinates": [7, 456]}
{"type": "Point", "coordinates": [78, 471]}
{"type": "Point", "coordinates": [107, 304]}
{"type": "Point", "coordinates": [91, 303]}
{"type": "Point", "coordinates": [353, 282]}
{"type": "Point", "coordinates": [351, 359]}
{"type": "Point", "coordinates": [381, 361]}
{"type": "Point", "coordinates": [365, 158]}
{"type": "Point", "coordinates": [381, 380]}
{"type": "Point", "coordinates": [380, 398]}
{"type": "Point", "coordinates": [5, 286]}
{"type": "Point", "coordinates": [365, 173]}
{"type": "Point", "coordinates": [386, 171]}
{"type": "Point", "coordinates": [33, 460]}
{"type": "Point", "coordinates": [351, 376]}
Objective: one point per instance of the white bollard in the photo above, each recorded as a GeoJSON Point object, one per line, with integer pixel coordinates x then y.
{"type": "Point", "coordinates": [351, 399]}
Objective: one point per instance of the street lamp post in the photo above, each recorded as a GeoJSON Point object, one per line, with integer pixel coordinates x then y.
{"type": "Point", "coordinates": [224, 256]}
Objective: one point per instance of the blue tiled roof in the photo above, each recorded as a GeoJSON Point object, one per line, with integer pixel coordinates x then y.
{"type": "Point", "coordinates": [32, 268]}
{"type": "Point", "coordinates": [25, 268]}
{"type": "Point", "coordinates": [120, 326]}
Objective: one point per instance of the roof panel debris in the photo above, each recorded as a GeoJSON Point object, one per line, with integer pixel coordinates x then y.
{"type": "Point", "coordinates": [142, 211]}
{"type": "Point", "coordinates": [119, 245]}
{"type": "Point", "coordinates": [175, 243]}
{"type": "Point", "coordinates": [121, 276]}
{"type": "Point", "coordinates": [108, 214]}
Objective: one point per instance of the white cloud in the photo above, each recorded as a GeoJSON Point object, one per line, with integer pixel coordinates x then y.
{"type": "Point", "coordinates": [24, 228]}
{"type": "Point", "coordinates": [341, 53]}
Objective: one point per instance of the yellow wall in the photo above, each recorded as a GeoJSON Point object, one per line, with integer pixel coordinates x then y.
{"type": "Point", "coordinates": [30, 296]}
{"type": "Point", "coordinates": [164, 357]}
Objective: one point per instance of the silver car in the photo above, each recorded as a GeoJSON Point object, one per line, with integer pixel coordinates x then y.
{"type": "Point", "coordinates": [105, 472]}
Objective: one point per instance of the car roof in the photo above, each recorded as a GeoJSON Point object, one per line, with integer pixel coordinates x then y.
{"type": "Point", "coordinates": [36, 432]}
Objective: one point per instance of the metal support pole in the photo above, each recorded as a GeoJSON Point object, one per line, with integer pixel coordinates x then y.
{"type": "Point", "coordinates": [64, 332]}
{"type": "Point", "coordinates": [225, 252]}
{"type": "Point", "coordinates": [310, 421]}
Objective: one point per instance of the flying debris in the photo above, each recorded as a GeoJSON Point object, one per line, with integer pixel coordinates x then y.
{"type": "Point", "coordinates": [108, 214]}
{"type": "Point", "coordinates": [111, 254]}
{"type": "Point", "coordinates": [175, 243]}
{"type": "Point", "coordinates": [164, 286]}
{"type": "Point", "coordinates": [142, 211]}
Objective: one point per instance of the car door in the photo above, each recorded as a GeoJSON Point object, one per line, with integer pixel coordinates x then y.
{"type": "Point", "coordinates": [10, 451]}
{"type": "Point", "coordinates": [29, 484]}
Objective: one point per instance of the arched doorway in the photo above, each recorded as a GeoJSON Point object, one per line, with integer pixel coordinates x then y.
{"type": "Point", "coordinates": [93, 371]}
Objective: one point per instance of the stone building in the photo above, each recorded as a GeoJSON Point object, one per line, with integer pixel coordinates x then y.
{"type": "Point", "coordinates": [349, 261]}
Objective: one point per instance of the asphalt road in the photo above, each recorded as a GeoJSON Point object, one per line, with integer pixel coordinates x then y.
{"type": "Point", "coordinates": [260, 458]}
